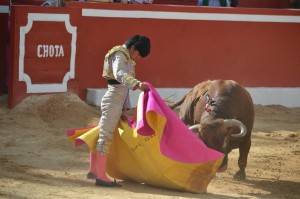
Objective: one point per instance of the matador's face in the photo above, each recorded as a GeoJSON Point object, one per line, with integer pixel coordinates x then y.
{"type": "Point", "coordinates": [134, 54]}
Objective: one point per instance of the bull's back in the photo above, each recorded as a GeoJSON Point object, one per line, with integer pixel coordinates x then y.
{"type": "Point", "coordinates": [188, 107]}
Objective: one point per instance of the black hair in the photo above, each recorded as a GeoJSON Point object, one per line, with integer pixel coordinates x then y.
{"type": "Point", "coordinates": [140, 43]}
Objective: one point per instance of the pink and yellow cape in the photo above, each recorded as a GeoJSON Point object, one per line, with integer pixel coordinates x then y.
{"type": "Point", "coordinates": [155, 147]}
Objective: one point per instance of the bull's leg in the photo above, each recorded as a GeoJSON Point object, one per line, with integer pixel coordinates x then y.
{"type": "Point", "coordinates": [242, 162]}
{"type": "Point", "coordinates": [224, 164]}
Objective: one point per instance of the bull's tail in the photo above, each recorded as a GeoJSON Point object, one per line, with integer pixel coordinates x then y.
{"type": "Point", "coordinates": [174, 105]}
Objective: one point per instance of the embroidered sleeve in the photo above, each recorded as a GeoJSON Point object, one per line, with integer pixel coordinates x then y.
{"type": "Point", "coordinates": [121, 70]}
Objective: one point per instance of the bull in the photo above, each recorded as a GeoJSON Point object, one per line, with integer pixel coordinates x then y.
{"type": "Point", "coordinates": [221, 114]}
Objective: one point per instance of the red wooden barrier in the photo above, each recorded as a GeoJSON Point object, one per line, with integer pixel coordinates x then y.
{"type": "Point", "coordinates": [3, 41]}
{"type": "Point", "coordinates": [28, 2]}
{"type": "Point", "coordinates": [258, 48]}
{"type": "Point", "coordinates": [265, 3]}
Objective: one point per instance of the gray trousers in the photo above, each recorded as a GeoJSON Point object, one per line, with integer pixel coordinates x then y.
{"type": "Point", "coordinates": [112, 104]}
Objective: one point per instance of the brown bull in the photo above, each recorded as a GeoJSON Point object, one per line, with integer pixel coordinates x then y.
{"type": "Point", "coordinates": [221, 113]}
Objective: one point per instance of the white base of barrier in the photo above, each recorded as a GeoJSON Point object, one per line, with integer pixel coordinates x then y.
{"type": "Point", "coordinates": [289, 97]}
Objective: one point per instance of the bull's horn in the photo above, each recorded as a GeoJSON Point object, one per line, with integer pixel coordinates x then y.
{"type": "Point", "coordinates": [195, 128]}
{"type": "Point", "coordinates": [234, 122]}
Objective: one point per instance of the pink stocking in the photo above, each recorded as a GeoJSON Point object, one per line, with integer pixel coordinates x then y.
{"type": "Point", "coordinates": [101, 167]}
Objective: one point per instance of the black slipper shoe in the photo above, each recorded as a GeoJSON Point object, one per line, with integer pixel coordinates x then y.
{"type": "Point", "coordinates": [103, 183]}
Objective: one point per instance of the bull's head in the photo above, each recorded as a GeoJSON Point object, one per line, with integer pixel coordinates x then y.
{"type": "Point", "coordinates": [217, 133]}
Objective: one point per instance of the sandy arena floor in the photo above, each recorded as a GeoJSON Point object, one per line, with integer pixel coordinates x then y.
{"type": "Point", "coordinates": [37, 160]}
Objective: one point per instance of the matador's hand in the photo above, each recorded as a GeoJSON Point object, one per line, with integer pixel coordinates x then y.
{"type": "Point", "coordinates": [144, 87]}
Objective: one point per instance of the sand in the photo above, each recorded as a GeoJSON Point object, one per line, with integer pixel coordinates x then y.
{"type": "Point", "coordinates": [38, 161]}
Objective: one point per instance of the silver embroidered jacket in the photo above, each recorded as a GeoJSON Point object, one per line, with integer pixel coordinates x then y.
{"type": "Point", "coordinates": [119, 66]}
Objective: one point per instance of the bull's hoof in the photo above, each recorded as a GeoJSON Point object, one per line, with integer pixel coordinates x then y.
{"type": "Point", "coordinates": [240, 175]}
{"type": "Point", "coordinates": [222, 169]}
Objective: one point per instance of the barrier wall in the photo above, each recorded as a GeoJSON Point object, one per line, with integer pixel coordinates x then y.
{"type": "Point", "coordinates": [265, 3]}
{"type": "Point", "coordinates": [3, 39]}
{"type": "Point", "coordinates": [62, 49]}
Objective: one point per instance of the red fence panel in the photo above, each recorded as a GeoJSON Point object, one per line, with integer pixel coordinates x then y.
{"type": "Point", "coordinates": [62, 49]}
